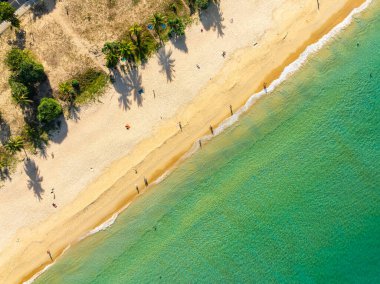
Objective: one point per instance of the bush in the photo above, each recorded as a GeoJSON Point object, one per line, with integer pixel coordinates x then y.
{"type": "Point", "coordinates": [201, 4]}
{"type": "Point", "coordinates": [14, 58]}
{"type": "Point", "coordinates": [177, 27]}
{"type": "Point", "coordinates": [92, 84]}
{"type": "Point", "coordinates": [20, 92]}
{"type": "Point", "coordinates": [30, 73]}
{"type": "Point", "coordinates": [75, 84]}
{"type": "Point", "coordinates": [48, 110]}
{"type": "Point", "coordinates": [34, 136]}
{"type": "Point", "coordinates": [7, 13]}
{"type": "Point", "coordinates": [67, 92]}
{"type": "Point", "coordinates": [25, 69]}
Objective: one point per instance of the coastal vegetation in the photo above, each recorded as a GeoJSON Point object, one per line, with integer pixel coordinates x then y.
{"type": "Point", "coordinates": [48, 110]}
{"type": "Point", "coordinates": [26, 81]}
{"type": "Point", "coordinates": [83, 87]}
{"type": "Point", "coordinates": [139, 42]}
{"type": "Point", "coordinates": [40, 99]}
{"type": "Point", "coordinates": [7, 13]}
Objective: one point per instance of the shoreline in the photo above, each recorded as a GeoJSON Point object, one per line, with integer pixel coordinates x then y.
{"type": "Point", "coordinates": [169, 158]}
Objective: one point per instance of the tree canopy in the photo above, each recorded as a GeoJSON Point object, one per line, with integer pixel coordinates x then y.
{"type": "Point", "coordinates": [25, 69]}
{"type": "Point", "coordinates": [48, 110]}
{"type": "Point", "coordinates": [7, 13]}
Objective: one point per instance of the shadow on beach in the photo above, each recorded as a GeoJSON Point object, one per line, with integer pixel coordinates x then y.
{"type": "Point", "coordinates": [34, 182]}
{"type": "Point", "coordinates": [180, 43]}
{"type": "Point", "coordinates": [166, 63]}
{"type": "Point", "coordinates": [128, 83]}
{"type": "Point", "coordinates": [213, 18]}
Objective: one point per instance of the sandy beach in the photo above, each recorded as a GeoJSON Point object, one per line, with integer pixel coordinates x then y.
{"type": "Point", "coordinates": [92, 163]}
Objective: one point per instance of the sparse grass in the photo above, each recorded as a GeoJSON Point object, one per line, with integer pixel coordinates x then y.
{"type": "Point", "coordinates": [92, 84]}
{"type": "Point", "coordinates": [7, 163]}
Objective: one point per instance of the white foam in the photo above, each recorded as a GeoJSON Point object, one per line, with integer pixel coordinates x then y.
{"type": "Point", "coordinates": [106, 224]}
{"type": "Point", "coordinates": [288, 71]}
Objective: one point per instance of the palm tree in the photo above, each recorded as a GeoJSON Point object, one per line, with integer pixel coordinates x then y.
{"type": "Point", "coordinates": [177, 27]}
{"type": "Point", "coordinates": [15, 144]}
{"type": "Point", "coordinates": [142, 42]}
{"type": "Point", "coordinates": [22, 99]}
{"type": "Point", "coordinates": [112, 52]}
{"type": "Point", "coordinates": [158, 20]}
{"type": "Point", "coordinates": [127, 50]}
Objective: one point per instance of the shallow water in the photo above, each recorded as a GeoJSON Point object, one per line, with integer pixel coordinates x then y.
{"type": "Point", "coordinates": [291, 193]}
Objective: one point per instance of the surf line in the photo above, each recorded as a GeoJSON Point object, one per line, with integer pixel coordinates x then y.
{"type": "Point", "coordinates": [286, 73]}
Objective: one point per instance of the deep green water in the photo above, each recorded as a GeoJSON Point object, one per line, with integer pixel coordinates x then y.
{"type": "Point", "coordinates": [291, 193]}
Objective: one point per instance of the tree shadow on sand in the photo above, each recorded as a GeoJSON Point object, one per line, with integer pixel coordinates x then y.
{"type": "Point", "coordinates": [180, 43]}
{"type": "Point", "coordinates": [20, 39]}
{"type": "Point", "coordinates": [42, 7]}
{"type": "Point", "coordinates": [128, 84]}
{"type": "Point", "coordinates": [34, 182]}
{"type": "Point", "coordinates": [213, 18]}
{"type": "Point", "coordinates": [60, 130]}
{"type": "Point", "coordinates": [166, 63]}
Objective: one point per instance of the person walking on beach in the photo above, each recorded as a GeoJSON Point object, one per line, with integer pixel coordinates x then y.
{"type": "Point", "coordinates": [200, 143]}
{"type": "Point", "coordinates": [137, 188]}
{"type": "Point", "coordinates": [212, 130]}
{"type": "Point", "coordinates": [146, 181]}
{"type": "Point", "coordinates": [49, 253]}
{"type": "Point", "coordinates": [180, 126]}
{"type": "Point", "coordinates": [265, 87]}
{"type": "Point", "coordinates": [232, 113]}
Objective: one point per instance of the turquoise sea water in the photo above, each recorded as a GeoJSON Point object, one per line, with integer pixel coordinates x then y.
{"type": "Point", "coordinates": [291, 193]}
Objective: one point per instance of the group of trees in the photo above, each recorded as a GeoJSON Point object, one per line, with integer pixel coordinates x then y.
{"type": "Point", "coordinates": [7, 13]}
{"type": "Point", "coordinates": [140, 42]}
{"type": "Point", "coordinates": [26, 76]}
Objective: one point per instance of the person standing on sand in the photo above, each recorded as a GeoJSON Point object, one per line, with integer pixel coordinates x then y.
{"type": "Point", "coordinates": [49, 253]}
{"type": "Point", "coordinates": [180, 126]}
{"type": "Point", "coordinates": [212, 130]}
{"type": "Point", "coordinates": [232, 113]}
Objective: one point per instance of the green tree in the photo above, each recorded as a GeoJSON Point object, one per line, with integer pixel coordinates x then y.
{"type": "Point", "coordinates": [143, 42]}
{"type": "Point", "coordinates": [177, 27]}
{"type": "Point", "coordinates": [158, 21]}
{"type": "Point", "coordinates": [112, 52]}
{"type": "Point", "coordinates": [7, 13]}
{"type": "Point", "coordinates": [48, 110]}
{"type": "Point", "coordinates": [15, 144]}
{"type": "Point", "coordinates": [25, 69]}
{"type": "Point", "coordinates": [14, 58]}
{"type": "Point", "coordinates": [20, 93]}
{"type": "Point", "coordinates": [66, 92]}
{"type": "Point", "coordinates": [30, 73]}
{"type": "Point", "coordinates": [127, 50]}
